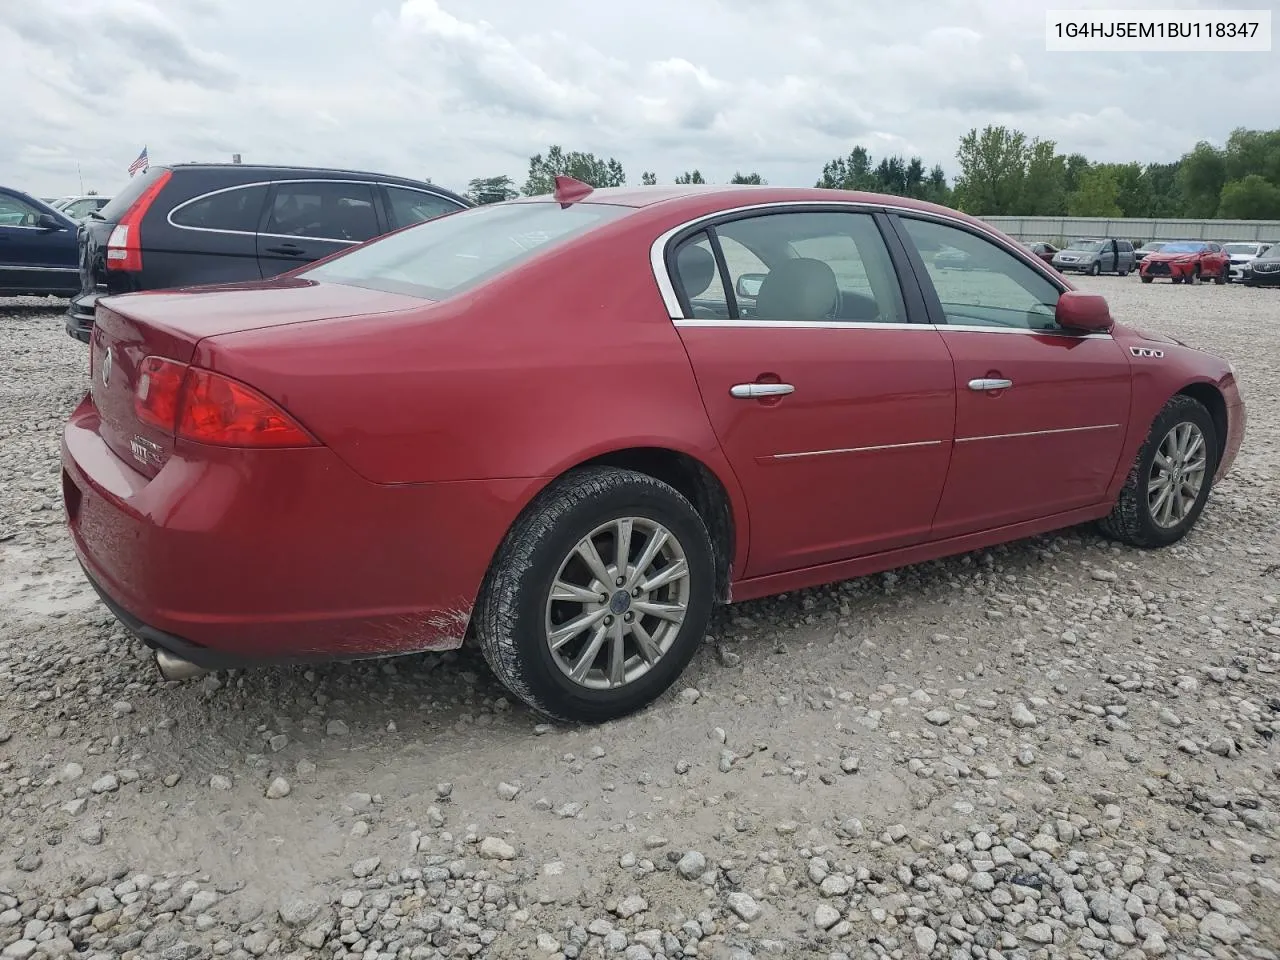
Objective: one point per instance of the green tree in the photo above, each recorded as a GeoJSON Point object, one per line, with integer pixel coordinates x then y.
{"type": "Point", "coordinates": [1096, 195]}
{"type": "Point", "coordinates": [993, 165]}
{"type": "Point", "coordinates": [581, 166]}
{"type": "Point", "coordinates": [1253, 152]}
{"type": "Point", "coordinates": [748, 178]}
{"type": "Point", "coordinates": [935, 187]}
{"type": "Point", "coordinates": [1250, 198]}
{"type": "Point", "coordinates": [1077, 164]}
{"type": "Point", "coordinates": [1163, 189]}
{"type": "Point", "coordinates": [1044, 189]}
{"type": "Point", "coordinates": [491, 190]}
{"type": "Point", "coordinates": [848, 173]}
{"type": "Point", "coordinates": [649, 178]}
{"type": "Point", "coordinates": [688, 177]}
{"type": "Point", "coordinates": [1202, 173]}
{"type": "Point", "coordinates": [915, 178]}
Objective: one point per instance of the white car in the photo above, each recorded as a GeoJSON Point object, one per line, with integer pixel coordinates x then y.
{"type": "Point", "coordinates": [1241, 255]}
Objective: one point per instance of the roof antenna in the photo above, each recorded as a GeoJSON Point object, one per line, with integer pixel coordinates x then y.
{"type": "Point", "coordinates": [568, 189]}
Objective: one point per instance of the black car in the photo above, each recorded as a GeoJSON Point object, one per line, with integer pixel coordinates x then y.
{"type": "Point", "coordinates": [1263, 271]}
{"type": "Point", "coordinates": [188, 224]}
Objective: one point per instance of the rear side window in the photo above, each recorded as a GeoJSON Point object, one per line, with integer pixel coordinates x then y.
{"type": "Point", "coordinates": [323, 210]}
{"type": "Point", "coordinates": [448, 255]}
{"type": "Point", "coordinates": [237, 209]}
{"type": "Point", "coordinates": [123, 200]}
{"type": "Point", "coordinates": [414, 206]}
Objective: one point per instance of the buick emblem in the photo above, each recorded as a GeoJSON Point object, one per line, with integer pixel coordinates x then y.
{"type": "Point", "coordinates": [106, 367]}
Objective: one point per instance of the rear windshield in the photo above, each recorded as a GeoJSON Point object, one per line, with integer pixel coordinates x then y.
{"type": "Point", "coordinates": [123, 200]}
{"type": "Point", "coordinates": [445, 256]}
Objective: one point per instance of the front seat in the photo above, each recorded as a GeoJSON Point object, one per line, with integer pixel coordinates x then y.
{"type": "Point", "coordinates": [800, 289]}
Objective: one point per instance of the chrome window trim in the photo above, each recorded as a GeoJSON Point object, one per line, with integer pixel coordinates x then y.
{"type": "Point", "coordinates": [658, 249]}
{"type": "Point", "coordinates": [269, 183]}
{"type": "Point", "coordinates": [18, 267]}
{"type": "Point", "coordinates": [870, 325]}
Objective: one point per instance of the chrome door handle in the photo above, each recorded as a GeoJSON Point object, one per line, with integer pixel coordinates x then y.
{"type": "Point", "coordinates": [746, 391]}
{"type": "Point", "coordinates": [984, 383]}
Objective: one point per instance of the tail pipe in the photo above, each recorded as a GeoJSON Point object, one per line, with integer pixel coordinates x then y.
{"type": "Point", "coordinates": [172, 667]}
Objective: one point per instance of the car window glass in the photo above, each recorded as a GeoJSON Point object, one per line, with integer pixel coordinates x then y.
{"type": "Point", "coordinates": [238, 209]}
{"type": "Point", "coordinates": [17, 213]}
{"type": "Point", "coordinates": [80, 208]}
{"type": "Point", "coordinates": [698, 278]}
{"type": "Point", "coordinates": [782, 265]}
{"type": "Point", "coordinates": [414, 206]}
{"type": "Point", "coordinates": [988, 286]}
{"type": "Point", "coordinates": [326, 210]}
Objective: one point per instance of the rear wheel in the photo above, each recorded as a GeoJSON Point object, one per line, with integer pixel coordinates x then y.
{"type": "Point", "coordinates": [1170, 479]}
{"type": "Point", "coordinates": [599, 596]}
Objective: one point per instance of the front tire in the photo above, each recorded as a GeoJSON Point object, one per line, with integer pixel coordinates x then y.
{"type": "Point", "coordinates": [1170, 479]}
{"type": "Point", "coordinates": [1224, 276]}
{"type": "Point", "coordinates": [1146, 279]}
{"type": "Point", "coordinates": [1095, 268]}
{"type": "Point", "coordinates": [599, 596]}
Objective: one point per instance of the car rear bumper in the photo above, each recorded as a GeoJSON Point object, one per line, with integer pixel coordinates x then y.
{"type": "Point", "coordinates": [230, 557]}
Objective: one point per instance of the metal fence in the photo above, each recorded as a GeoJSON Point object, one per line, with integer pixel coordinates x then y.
{"type": "Point", "coordinates": [1059, 229]}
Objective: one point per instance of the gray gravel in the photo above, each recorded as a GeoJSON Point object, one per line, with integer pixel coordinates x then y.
{"type": "Point", "coordinates": [1058, 748]}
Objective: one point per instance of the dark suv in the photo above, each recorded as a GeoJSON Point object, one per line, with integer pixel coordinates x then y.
{"type": "Point", "coordinates": [195, 223]}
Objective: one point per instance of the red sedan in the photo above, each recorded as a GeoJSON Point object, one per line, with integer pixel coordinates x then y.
{"type": "Point", "coordinates": [1187, 261]}
{"type": "Point", "coordinates": [564, 427]}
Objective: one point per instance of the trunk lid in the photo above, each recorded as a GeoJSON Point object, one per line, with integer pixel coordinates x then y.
{"type": "Point", "coordinates": [170, 324]}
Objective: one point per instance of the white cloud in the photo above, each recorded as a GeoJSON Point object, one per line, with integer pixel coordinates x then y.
{"type": "Point", "coordinates": [454, 89]}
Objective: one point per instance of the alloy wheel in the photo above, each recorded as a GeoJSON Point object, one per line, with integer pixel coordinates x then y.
{"type": "Point", "coordinates": [617, 603]}
{"type": "Point", "coordinates": [1177, 475]}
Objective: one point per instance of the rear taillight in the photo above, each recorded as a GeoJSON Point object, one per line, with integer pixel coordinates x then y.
{"type": "Point", "coordinates": [124, 246]}
{"type": "Point", "coordinates": [192, 403]}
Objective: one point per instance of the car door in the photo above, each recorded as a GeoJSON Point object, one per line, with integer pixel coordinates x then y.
{"type": "Point", "coordinates": [1040, 412]}
{"type": "Point", "coordinates": [307, 220]}
{"type": "Point", "coordinates": [833, 403]}
{"type": "Point", "coordinates": [35, 257]}
{"type": "Point", "coordinates": [209, 238]}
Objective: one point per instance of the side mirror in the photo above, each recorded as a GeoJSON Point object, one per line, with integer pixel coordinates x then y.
{"type": "Point", "coordinates": [749, 285]}
{"type": "Point", "coordinates": [47, 221]}
{"type": "Point", "coordinates": [1083, 312]}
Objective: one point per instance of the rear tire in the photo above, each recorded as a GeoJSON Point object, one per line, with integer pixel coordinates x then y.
{"type": "Point", "coordinates": [1140, 517]}
{"type": "Point", "coordinates": [637, 654]}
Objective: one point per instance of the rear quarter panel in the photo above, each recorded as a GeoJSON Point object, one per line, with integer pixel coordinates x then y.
{"type": "Point", "coordinates": [569, 357]}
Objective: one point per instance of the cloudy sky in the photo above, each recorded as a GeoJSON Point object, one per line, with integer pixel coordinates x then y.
{"type": "Point", "coordinates": [455, 89]}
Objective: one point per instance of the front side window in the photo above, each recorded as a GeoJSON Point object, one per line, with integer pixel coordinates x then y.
{"type": "Point", "coordinates": [238, 209]}
{"type": "Point", "coordinates": [811, 266]}
{"type": "Point", "coordinates": [448, 255]}
{"type": "Point", "coordinates": [324, 210]}
{"type": "Point", "coordinates": [986, 286]}
{"type": "Point", "coordinates": [415, 206]}
{"type": "Point", "coordinates": [17, 213]}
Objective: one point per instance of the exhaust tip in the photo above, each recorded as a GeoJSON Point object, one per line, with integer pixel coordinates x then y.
{"type": "Point", "coordinates": [172, 667]}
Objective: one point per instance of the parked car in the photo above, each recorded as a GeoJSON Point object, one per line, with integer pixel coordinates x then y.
{"type": "Point", "coordinates": [1187, 261]}
{"type": "Point", "coordinates": [1151, 246]}
{"type": "Point", "coordinates": [417, 402]}
{"type": "Point", "coordinates": [37, 248]}
{"type": "Point", "coordinates": [1241, 255]}
{"type": "Point", "coordinates": [77, 208]}
{"type": "Point", "coordinates": [1045, 251]}
{"type": "Point", "coordinates": [1263, 271]}
{"type": "Point", "coordinates": [195, 223]}
{"type": "Point", "coordinates": [1095, 256]}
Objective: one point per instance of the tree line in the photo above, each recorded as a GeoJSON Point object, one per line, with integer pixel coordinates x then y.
{"type": "Point", "coordinates": [1002, 171]}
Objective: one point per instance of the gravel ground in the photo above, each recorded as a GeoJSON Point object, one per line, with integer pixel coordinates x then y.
{"type": "Point", "coordinates": [1058, 748]}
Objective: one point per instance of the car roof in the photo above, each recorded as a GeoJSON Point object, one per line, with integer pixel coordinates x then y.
{"type": "Point", "coordinates": [263, 169]}
{"type": "Point", "coordinates": [697, 197]}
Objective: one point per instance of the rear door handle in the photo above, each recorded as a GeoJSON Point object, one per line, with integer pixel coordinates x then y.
{"type": "Point", "coordinates": [987, 384]}
{"type": "Point", "coordinates": [745, 391]}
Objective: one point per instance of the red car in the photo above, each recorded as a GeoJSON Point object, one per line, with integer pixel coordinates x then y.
{"type": "Point", "coordinates": [1044, 251]}
{"type": "Point", "coordinates": [1187, 261]}
{"type": "Point", "coordinates": [565, 426]}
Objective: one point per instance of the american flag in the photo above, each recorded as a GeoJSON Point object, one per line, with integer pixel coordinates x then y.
{"type": "Point", "coordinates": [140, 163]}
